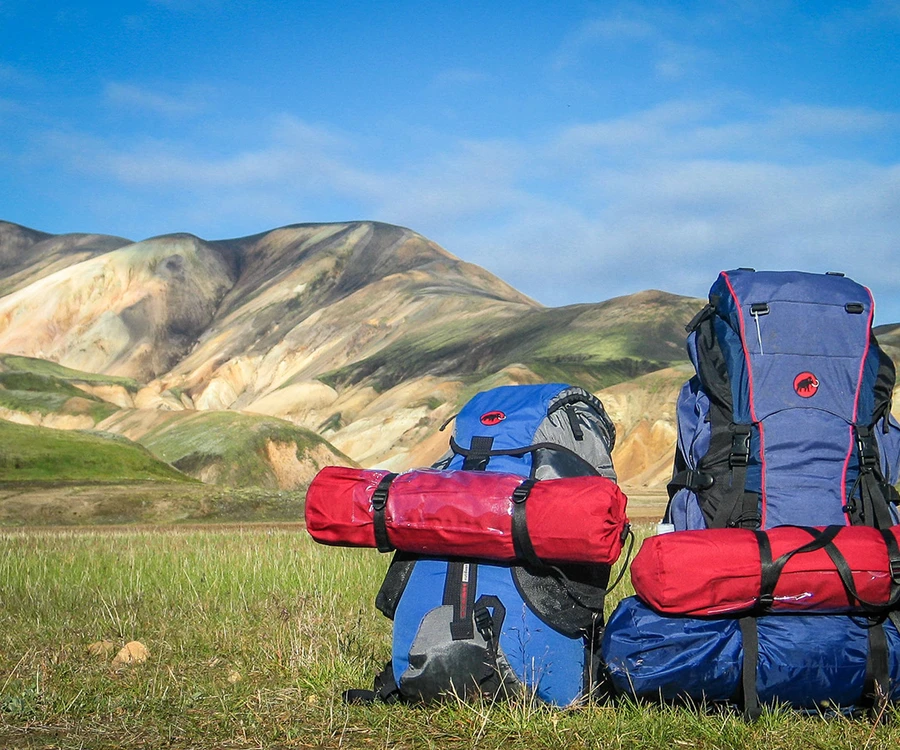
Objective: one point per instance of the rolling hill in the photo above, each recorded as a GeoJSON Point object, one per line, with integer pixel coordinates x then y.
{"type": "Point", "coordinates": [252, 361]}
{"type": "Point", "coordinates": [367, 334]}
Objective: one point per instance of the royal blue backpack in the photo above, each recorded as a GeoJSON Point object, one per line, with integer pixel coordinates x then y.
{"type": "Point", "coordinates": [466, 626]}
{"type": "Point", "coordinates": [787, 420]}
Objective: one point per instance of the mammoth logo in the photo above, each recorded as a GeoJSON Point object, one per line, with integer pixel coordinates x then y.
{"type": "Point", "coordinates": [806, 384]}
{"type": "Point", "coordinates": [491, 418]}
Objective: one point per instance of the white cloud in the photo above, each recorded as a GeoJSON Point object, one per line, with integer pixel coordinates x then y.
{"type": "Point", "coordinates": [646, 31]}
{"type": "Point", "coordinates": [663, 198]}
{"type": "Point", "coordinates": [191, 101]}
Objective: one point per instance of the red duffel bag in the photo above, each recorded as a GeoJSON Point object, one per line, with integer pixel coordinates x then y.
{"type": "Point", "coordinates": [785, 569]}
{"type": "Point", "coordinates": [480, 514]}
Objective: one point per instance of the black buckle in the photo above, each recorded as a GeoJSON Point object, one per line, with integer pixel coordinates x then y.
{"type": "Point", "coordinates": [895, 571]}
{"type": "Point", "coordinates": [520, 494]}
{"type": "Point", "coordinates": [698, 480]}
{"type": "Point", "coordinates": [740, 446]}
{"type": "Point", "coordinates": [868, 456]}
{"type": "Point", "coordinates": [765, 601]}
{"type": "Point", "coordinates": [484, 622]}
{"type": "Point", "coordinates": [380, 495]}
{"type": "Point", "coordinates": [379, 498]}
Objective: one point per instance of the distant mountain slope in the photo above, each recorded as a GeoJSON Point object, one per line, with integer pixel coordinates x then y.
{"type": "Point", "coordinates": [228, 447]}
{"type": "Point", "coordinates": [217, 354]}
{"type": "Point", "coordinates": [27, 255]}
{"type": "Point", "coordinates": [366, 333]}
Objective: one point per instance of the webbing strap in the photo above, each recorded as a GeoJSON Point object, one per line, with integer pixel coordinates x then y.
{"type": "Point", "coordinates": [875, 494]}
{"type": "Point", "coordinates": [846, 574]}
{"type": "Point", "coordinates": [379, 501]}
{"type": "Point", "coordinates": [771, 569]}
{"type": "Point", "coordinates": [479, 453]}
{"type": "Point", "coordinates": [825, 539]}
{"type": "Point", "coordinates": [521, 539]}
{"type": "Point", "coordinates": [459, 592]}
{"type": "Point", "coordinates": [734, 498]}
{"type": "Point", "coordinates": [877, 682]}
{"type": "Point", "coordinates": [577, 432]}
{"type": "Point", "coordinates": [749, 697]}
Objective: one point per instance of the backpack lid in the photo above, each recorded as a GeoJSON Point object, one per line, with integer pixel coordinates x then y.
{"type": "Point", "coordinates": [803, 341]}
{"type": "Point", "coordinates": [557, 416]}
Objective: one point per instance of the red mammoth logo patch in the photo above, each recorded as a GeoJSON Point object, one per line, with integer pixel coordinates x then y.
{"type": "Point", "coordinates": [806, 384]}
{"type": "Point", "coordinates": [491, 418]}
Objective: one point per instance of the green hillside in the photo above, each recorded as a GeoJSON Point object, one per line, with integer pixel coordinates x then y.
{"type": "Point", "coordinates": [594, 346]}
{"type": "Point", "coordinates": [229, 447]}
{"type": "Point", "coordinates": [13, 363]}
{"type": "Point", "coordinates": [32, 385]}
{"type": "Point", "coordinates": [29, 453]}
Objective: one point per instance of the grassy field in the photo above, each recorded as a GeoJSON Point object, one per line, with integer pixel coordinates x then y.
{"type": "Point", "coordinates": [252, 635]}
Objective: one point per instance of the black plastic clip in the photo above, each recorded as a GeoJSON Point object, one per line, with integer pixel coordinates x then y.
{"type": "Point", "coordinates": [698, 480]}
{"type": "Point", "coordinates": [895, 570]}
{"type": "Point", "coordinates": [868, 451]}
{"type": "Point", "coordinates": [520, 494]}
{"type": "Point", "coordinates": [740, 446]}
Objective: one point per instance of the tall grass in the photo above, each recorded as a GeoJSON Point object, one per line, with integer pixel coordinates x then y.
{"type": "Point", "coordinates": [252, 635]}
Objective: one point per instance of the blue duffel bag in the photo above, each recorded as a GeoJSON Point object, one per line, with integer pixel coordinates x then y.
{"type": "Point", "coordinates": [805, 661]}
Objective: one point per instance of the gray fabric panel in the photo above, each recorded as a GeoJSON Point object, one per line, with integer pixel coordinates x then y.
{"type": "Point", "coordinates": [440, 665]}
{"type": "Point", "coordinates": [599, 434]}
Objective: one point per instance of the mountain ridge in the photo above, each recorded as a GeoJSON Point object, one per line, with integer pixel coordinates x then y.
{"type": "Point", "coordinates": [367, 334]}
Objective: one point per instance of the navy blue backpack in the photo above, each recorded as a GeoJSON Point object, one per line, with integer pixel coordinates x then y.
{"type": "Point", "coordinates": [786, 422]}
{"type": "Point", "coordinates": [466, 626]}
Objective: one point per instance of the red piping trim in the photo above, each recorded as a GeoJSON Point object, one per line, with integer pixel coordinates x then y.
{"type": "Point", "coordinates": [859, 380]}
{"type": "Point", "coordinates": [762, 441]}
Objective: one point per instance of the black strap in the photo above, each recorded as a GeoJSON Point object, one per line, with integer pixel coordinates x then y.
{"type": "Point", "coordinates": [489, 623]}
{"type": "Point", "coordinates": [394, 583]}
{"type": "Point", "coordinates": [478, 454]}
{"type": "Point", "coordinates": [533, 448]}
{"type": "Point", "coordinates": [577, 431]}
{"type": "Point", "coordinates": [735, 497]}
{"type": "Point", "coordinates": [379, 501]}
{"type": "Point", "coordinates": [521, 539]}
{"type": "Point", "coordinates": [749, 697]}
{"type": "Point", "coordinates": [771, 570]}
{"type": "Point", "coordinates": [627, 535]}
{"type": "Point", "coordinates": [385, 690]}
{"type": "Point", "coordinates": [825, 539]}
{"type": "Point", "coordinates": [846, 574]}
{"type": "Point", "coordinates": [876, 685]}
{"type": "Point", "coordinates": [872, 508]}
{"type": "Point", "coordinates": [769, 574]}
{"type": "Point", "coordinates": [459, 592]}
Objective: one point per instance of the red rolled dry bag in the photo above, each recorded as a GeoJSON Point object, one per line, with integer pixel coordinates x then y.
{"type": "Point", "coordinates": [469, 514]}
{"type": "Point", "coordinates": [785, 569]}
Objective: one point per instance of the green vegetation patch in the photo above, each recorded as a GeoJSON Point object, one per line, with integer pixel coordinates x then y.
{"type": "Point", "coordinates": [26, 391]}
{"type": "Point", "coordinates": [556, 344]}
{"type": "Point", "coordinates": [227, 444]}
{"type": "Point", "coordinates": [29, 453]}
{"type": "Point", "coordinates": [19, 364]}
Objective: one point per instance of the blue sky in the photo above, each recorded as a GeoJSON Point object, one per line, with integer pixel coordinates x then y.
{"type": "Point", "coordinates": [579, 150]}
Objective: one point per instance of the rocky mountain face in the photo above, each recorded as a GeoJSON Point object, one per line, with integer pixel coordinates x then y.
{"type": "Point", "coordinates": [365, 334]}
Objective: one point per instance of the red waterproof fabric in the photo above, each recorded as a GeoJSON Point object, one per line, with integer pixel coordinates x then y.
{"type": "Point", "coordinates": [718, 571]}
{"type": "Point", "coordinates": [469, 514]}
